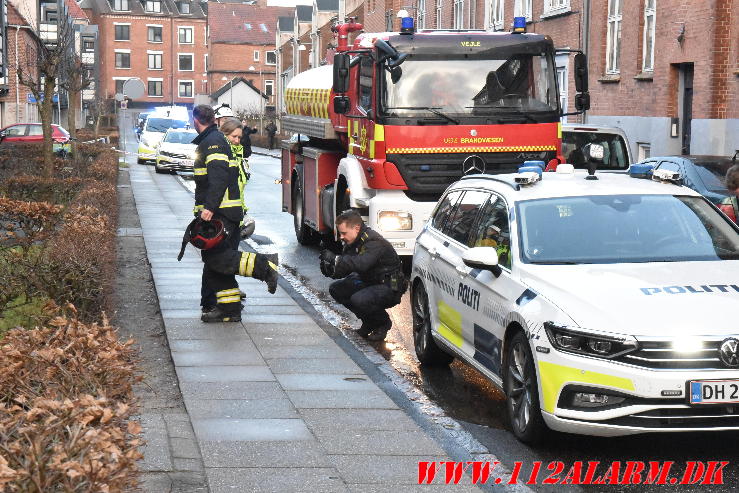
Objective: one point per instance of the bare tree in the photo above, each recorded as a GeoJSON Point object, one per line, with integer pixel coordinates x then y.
{"type": "Point", "coordinates": [74, 80]}
{"type": "Point", "coordinates": [49, 56]}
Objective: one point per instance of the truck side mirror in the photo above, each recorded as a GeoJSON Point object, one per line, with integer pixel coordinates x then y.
{"type": "Point", "coordinates": [582, 101]}
{"type": "Point", "coordinates": [341, 105]}
{"type": "Point", "coordinates": [341, 73]}
{"type": "Point", "coordinates": [581, 73]}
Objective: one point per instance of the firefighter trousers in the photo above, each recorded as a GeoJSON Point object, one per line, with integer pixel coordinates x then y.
{"type": "Point", "coordinates": [223, 263]}
{"type": "Point", "coordinates": [367, 301]}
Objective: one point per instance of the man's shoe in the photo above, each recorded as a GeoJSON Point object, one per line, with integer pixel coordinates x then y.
{"type": "Point", "coordinates": [207, 308]}
{"type": "Point", "coordinates": [380, 332]}
{"type": "Point", "coordinates": [242, 295]}
{"type": "Point", "coordinates": [217, 315]}
{"type": "Point", "coordinates": [364, 330]}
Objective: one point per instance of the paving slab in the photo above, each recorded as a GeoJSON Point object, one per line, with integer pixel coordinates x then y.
{"type": "Point", "coordinates": [281, 340]}
{"type": "Point", "coordinates": [328, 421]}
{"type": "Point", "coordinates": [302, 453]}
{"type": "Point", "coordinates": [231, 390]}
{"type": "Point", "coordinates": [212, 345]}
{"type": "Point", "coordinates": [216, 358]}
{"type": "Point", "coordinates": [156, 451]}
{"type": "Point", "coordinates": [374, 442]}
{"type": "Point", "coordinates": [341, 365]}
{"type": "Point", "coordinates": [317, 381]}
{"type": "Point", "coordinates": [251, 430]}
{"type": "Point", "coordinates": [341, 399]}
{"type": "Point", "coordinates": [312, 351]}
{"type": "Point", "coordinates": [242, 408]}
{"type": "Point", "coordinates": [383, 469]}
{"type": "Point", "coordinates": [225, 374]}
{"type": "Point", "coordinates": [276, 480]}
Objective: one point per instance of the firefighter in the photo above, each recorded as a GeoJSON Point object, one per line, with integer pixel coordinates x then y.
{"type": "Point", "coordinates": [232, 128]}
{"type": "Point", "coordinates": [370, 275]}
{"type": "Point", "coordinates": [223, 111]}
{"type": "Point", "coordinates": [218, 195]}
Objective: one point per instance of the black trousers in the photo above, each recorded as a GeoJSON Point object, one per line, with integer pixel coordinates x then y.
{"type": "Point", "coordinates": [214, 282]}
{"type": "Point", "coordinates": [367, 302]}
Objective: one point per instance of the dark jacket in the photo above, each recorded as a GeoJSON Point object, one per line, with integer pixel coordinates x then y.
{"type": "Point", "coordinates": [371, 256]}
{"type": "Point", "coordinates": [216, 183]}
{"type": "Point", "coordinates": [246, 139]}
{"type": "Point", "coordinates": [271, 129]}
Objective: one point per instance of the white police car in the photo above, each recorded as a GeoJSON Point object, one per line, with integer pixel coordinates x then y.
{"type": "Point", "coordinates": [600, 306]}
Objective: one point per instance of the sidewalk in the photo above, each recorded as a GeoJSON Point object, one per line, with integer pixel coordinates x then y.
{"type": "Point", "coordinates": [275, 403]}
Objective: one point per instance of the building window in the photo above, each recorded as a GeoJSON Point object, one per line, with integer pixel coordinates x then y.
{"type": "Point", "coordinates": [644, 151]}
{"type": "Point", "coordinates": [123, 32]}
{"type": "Point", "coordinates": [256, 55]}
{"type": "Point", "coordinates": [88, 45]}
{"type": "Point", "coordinates": [154, 87]}
{"type": "Point", "coordinates": [119, 85]}
{"type": "Point", "coordinates": [458, 14]}
{"type": "Point", "coordinates": [154, 6]}
{"type": "Point", "coordinates": [154, 34]}
{"type": "Point", "coordinates": [269, 87]}
{"type": "Point", "coordinates": [185, 62]}
{"type": "Point", "coordinates": [122, 60]}
{"type": "Point", "coordinates": [553, 7]}
{"type": "Point", "coordinates": [184, 35]}
{"type": "Point", "coordinates": [185, 88]}
{"type": "Point", "coordinates": [613, 42]}
{"type": "Point", "coordinates": [438, 14]}
{"type": "Point", "coordinates": [121, 5]}
{"type": "Point", "coordinates": [496, 14]}
{"type": "Point", "coordinates": [649, 14]}
{"type": "Point", "coordinates": [205, 63]}
{"type": "Point", "coordinates": [184, 7]}
{"type": "Point", "coordinates": [421, 14]}
{"type": "Point", "coordinates": [562, 86]}
{"type": "Point", "coordinates": [522, 8]}
{"type": "Point", "coordinates": [155, 61]}
{"type": "Point", "coordinates": [271, 57]}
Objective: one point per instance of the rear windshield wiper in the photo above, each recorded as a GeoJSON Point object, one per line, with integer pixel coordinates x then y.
{"type": "Point", "coordinates": [432, 109]}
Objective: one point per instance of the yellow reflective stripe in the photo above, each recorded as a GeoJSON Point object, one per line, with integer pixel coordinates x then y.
{"type": "Point", "coordinates": [230, 203]}
{"type": "Point", "coordinates": [554, 377]}
{"type": "Point", "coordinates": [233, 164]}
{"type": "Point", "coordinates": [227, 292]}
{"type": "Point", "coordinates": [198, 208]}
{"type": "Point", "coordinates": [450, 326]}
{"type": "Point", "coordinates": [200, 171]}
{"type": "Point", "coordinates": [250, 264]}
{"type": "Point", "coordinates": [242, 264]}
{"type": "Point", "coordinates": [216, 155]}
{"type": "Point", "coordinates": [232, 299]}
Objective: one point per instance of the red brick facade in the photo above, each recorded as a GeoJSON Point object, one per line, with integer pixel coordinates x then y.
{"type": "Point", "coordinates": [20, 54]}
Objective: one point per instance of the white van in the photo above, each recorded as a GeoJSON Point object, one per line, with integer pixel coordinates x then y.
{"type": "Point", "coordinates": [616, 152]}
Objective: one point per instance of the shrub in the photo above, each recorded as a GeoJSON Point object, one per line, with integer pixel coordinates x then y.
{"type": "Point", "coordinates": [26, 222]}
{"type": "Point", "coordinates": [34, 188]}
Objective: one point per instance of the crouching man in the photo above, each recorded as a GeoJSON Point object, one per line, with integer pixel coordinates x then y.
{"type": "Point", "coordinates": [370, 275]}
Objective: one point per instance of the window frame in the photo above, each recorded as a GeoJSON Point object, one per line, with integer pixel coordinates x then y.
{"type": "Point", "coordinates": [561, 7]}
{"type": "Point", "coordinates": [120, 80]}
{"type": "Point", "coordinates": [86, 43]}
{"type": "Point", "coordinates": [523, 8]}
{"type": "Point", "coordinates": [122, 52]}
{"type": "Point", "coordinates": [153, 3]}
{"type": "Point", "coordinates": [431, 224]}
{"type": "Point", "coordinates": [476, 226]}
{"type": "Point", "coordinates": [446, 231]}
{"type": "Point", "coordinates": [121, 3]}
{"type": "Point", "coordinates": [649, 57]}
{"type": "Point", "coordinates": [269, 83]}
{"type": "Point", "coordinates": [256, 55]}
{"type": "Point", "coordinates": [192, 88]}
{"type": "Point", "coordinates": [149, 28]}
{"type": "Point", "coordinates": [116, 25]}
{"type": "Point", "coordinates": [180, 3]}
{"type": "Point", "coordinates": [439, 16]}
{"type": "Point", "coordinates": [149, 54]}
{"type": "Point", "coordinates": [421, 14]}
{"type": "Point", "coordinates": [192, 62]}
{"type": "Point", "coordinates": [458, 14]}
{"type": "Point", "coordinates": [160, 80]}
{"type": "Point", "coordinates": [613, 55]}
{"type": "Point", "coordinates": [181, 29]}
{"type": "Point", "coordinates": [496, 16]}
{"type": "Point", "coordinates": [266, 57]}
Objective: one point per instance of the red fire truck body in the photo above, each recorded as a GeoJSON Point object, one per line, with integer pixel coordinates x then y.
{"type": "Point", "coordinates": [399, 117]}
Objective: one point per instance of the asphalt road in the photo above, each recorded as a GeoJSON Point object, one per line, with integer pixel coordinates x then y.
{"type": "Point", "coordinates": [465, 395]}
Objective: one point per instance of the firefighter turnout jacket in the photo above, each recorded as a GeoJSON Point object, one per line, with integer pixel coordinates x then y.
{"type": "Point", "coordinates": [374, 259]}
{"type": "Point", "coordinates": [217, 176]}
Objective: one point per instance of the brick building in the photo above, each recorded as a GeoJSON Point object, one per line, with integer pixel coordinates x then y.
{"type": "Point", "coordinates": [242, 44]}
{"type": "Point", "coordinates": [162, 42]}
{"type": "Point", "coordinates": [20, 39]}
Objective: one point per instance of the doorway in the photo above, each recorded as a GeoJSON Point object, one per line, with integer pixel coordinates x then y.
{"type": "Point", "coordinates": [686, 104]}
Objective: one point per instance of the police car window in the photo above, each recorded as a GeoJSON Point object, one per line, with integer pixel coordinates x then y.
{"type": "Point", "coordinates": [493, 230]}
{"type": "Point", "coordinates": [624, 229]}
{"type": "Point", "coordinates": [444, 209]}
{"type": "Point", "coordinates": [460, 223]}
{"type": "Point", "coordinates": [669, 166]}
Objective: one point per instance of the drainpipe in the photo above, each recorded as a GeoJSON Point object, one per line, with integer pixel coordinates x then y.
{"type": "Point", "coordinates": [585, 40]}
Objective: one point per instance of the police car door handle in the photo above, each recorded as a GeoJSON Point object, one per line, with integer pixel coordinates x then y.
{"type": "Point", "coordinates": [433, 252]}
{"type": "Point", "coordinates": [462, 270]}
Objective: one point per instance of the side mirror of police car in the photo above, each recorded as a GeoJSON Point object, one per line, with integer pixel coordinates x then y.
{"type": "Point", "coordinates": [485, 258]}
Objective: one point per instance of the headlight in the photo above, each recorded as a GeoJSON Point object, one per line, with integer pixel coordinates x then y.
{"type": "Point", "coordinates": [395, 221]}
{"type": "Point", "coordinates": [578, 341]}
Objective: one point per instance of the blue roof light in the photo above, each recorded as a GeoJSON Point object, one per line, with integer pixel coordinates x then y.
{"type": "Point", "coordinates": [643, 170]}
{"type": "Point", "coordinates": [406, 25]}
{"type": "Point", "coordinates": [519, 24]}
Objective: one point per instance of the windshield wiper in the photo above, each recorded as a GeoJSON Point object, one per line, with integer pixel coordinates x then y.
{"type": "Point", "coordinates": [432, 109]}
{"type": "Point", "coordinates": [554, 262]}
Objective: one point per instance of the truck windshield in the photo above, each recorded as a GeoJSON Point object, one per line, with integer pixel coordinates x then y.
{"type": "Point", "coordinates": [510, 89]}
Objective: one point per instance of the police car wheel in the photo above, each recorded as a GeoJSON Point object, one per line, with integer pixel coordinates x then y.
{"type": "Point", "coordinates": [522, 392]}
{"type": "Point", "coordinates": [427, 351]}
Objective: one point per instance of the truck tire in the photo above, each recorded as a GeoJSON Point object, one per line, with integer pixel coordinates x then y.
{"type": "Point", "coordinates": [303, 233]}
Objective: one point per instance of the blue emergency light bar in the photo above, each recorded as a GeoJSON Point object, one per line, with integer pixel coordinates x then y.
{"type": "Point", "coordinates": [406, 25]}
{"type": "Point", "coordinates": [519, 24]}
{"type": "Point", "coordinates": [533, 167]}
{"type": "Point", "coordinates": [643, 170]}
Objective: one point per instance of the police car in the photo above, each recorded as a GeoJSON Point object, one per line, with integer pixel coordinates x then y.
{"type": "Point", "coordinates": [601, 304]}
{"type": "Point", "coordinates": [176, 152]}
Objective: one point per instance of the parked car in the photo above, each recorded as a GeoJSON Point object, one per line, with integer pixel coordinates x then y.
{"type": "Point", "coordinates": [704, 174]}
{"type": "Point", "coordinates": [176, 152]}
{"type": "Point", "coordinates": [154, 129]}
{"type": "Point", "coordinates": [601, 307]}
{"type": "Point", "coordinates": [33, 132]}
{"type": "Point", "coordinates": [576, 138]}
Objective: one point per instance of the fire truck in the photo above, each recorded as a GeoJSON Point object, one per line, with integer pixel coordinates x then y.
{"type": "Point", "coordinates": [400, 116]}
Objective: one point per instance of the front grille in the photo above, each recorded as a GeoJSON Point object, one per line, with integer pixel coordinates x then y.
{"type": "Point", "coordinates": [175, 155]}
{"type": "Point", "coordinates": [428, 175]}
{"type": "Point", "coordinates": [682, 416]}
{"type": "Point", "coordinates": [658, 354]}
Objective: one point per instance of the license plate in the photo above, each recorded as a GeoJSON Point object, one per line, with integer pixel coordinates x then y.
{"type": "Point", "coordinates": [714, 391]}
{"type": "Point", "coordinates": [188, 162]}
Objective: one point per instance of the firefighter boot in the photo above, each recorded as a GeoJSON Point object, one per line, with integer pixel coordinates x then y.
{"type": "Point", "coordinates": [260, 266]}
{"type": "Point", "coordinates": [380, 332]}
{"type": "Point", "coordinates": [218, 315]}
{"type": "Point", "coordinates": [364, 330]}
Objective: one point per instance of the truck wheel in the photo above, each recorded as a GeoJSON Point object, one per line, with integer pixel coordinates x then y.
{"type": "Point", "coordinates": [522, 392]}
{"type": "Point", "coordinates": [304, 234]}
{"type": "Point", "coordinates": [427, 351]}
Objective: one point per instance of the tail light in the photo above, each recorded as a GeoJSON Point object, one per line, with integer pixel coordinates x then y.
{"type": "Point", "coordinates": [728, 209]}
